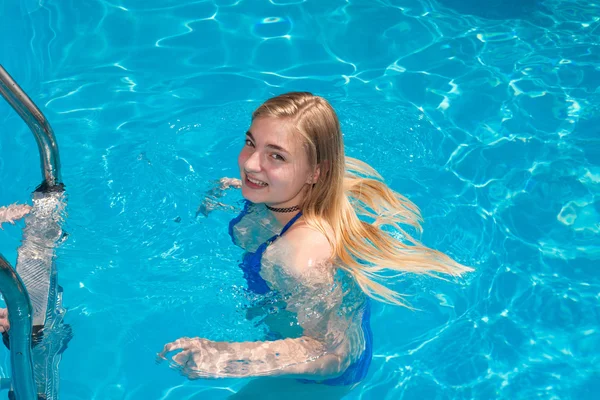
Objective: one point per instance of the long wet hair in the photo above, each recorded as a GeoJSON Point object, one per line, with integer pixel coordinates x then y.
{"type": "Point", "coordinates": [348, 188]}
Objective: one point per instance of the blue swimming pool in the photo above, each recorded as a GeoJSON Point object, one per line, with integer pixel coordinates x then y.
{"type": "Point", "coordinates": [486, 117]}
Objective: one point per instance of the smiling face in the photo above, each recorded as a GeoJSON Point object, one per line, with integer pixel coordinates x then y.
{"type": "Point", "coordinates": [274, 165]}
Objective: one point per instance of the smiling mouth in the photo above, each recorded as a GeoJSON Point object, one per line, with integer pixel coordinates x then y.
{"type": "Point", "coordinates": [255, 182]}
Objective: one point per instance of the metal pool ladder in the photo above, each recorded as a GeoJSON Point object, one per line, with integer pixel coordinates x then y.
{"type": "Point", "coordinates": [33, 297]}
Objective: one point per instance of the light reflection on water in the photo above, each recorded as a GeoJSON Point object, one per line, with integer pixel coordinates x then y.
{"type": "Point", "coordinates": [486, 118]}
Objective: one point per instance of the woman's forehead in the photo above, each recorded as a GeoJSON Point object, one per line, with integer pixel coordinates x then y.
{"type": "Point", "coordinates": [275, 131]}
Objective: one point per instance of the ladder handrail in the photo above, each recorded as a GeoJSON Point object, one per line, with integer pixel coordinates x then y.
{"type": "Point", "coordinates": [33, 117]}
{"type": "Point", "coordinates": [19, 312]}
{"type": "Point", "coordinates": [35, 275]}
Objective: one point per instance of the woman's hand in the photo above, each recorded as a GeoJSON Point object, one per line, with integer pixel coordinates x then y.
{"type": "Point", "coordinates": [13, 212]}
{"type": "Point", "coordinates": [4, 324]}
{"type": "Point", "coordinates": [226, 183]}
{"type": "Point", "coordinates": [190, 359]}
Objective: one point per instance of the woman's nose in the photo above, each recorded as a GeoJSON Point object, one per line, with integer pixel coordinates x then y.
{"type": "Point", "coordinates": [253, 162]}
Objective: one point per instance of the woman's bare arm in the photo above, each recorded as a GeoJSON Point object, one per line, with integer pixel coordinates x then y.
{"type": "Point", "coordinates": [210, 201]}
{"type": "Point", "coordinates": [303, 357]}
{"type": "Point", "coordinates": [323, 351]}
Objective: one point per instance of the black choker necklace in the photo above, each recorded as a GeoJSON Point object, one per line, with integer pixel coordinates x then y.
{"type": "Point", "coordinates": [284, 210]}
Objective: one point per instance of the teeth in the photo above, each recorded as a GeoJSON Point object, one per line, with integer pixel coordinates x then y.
{"type": "Point", "coordinates": [257, 182]}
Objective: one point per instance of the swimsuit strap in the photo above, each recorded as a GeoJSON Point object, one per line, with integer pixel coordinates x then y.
{"type": "Point", "coordinates": [290, 223]}
{"type": "Point", "coordinates": [237, 219]}
{"type": "Point", "coordinates": [243, 213]}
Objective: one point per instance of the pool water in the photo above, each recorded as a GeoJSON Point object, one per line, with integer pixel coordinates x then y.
{"type": "Point", "coordinates": [487, 117]}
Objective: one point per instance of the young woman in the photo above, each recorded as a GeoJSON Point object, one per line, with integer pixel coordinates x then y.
{"type": "Point", "coordinates": [320, 233]}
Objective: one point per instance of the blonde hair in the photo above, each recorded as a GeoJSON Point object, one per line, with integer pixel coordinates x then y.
{"type": "Point", "coordinates": [348, 188]}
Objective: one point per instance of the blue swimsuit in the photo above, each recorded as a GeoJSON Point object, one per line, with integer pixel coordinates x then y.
{"type": "Point", "coordinates": [251, 264]}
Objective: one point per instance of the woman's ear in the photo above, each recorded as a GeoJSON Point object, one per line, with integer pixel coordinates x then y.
{"type": "Point", "coordinates": [314, 177]}
{"type": "Point", "coordinates": [322, 167]}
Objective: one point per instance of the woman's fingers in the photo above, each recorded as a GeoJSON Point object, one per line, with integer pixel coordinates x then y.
{"type": "Point", "coordinates": [189, 360]}
{"type": "Point", "coordinates": [176, 345]}
{"type": "Point", "coordinates": [226, 183]}
{"type": "Point", "coordinates": [184, 343]}
{"type": "Point", "coordinates": [4, 324]}
{"type": "Point", "coordinates": [183, 358]}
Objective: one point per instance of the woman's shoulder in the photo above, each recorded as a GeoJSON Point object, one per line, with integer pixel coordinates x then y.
{"type": "Point", "coordinates": [306, 237]}
{"type": "Point", "coordinates": [305, 252]}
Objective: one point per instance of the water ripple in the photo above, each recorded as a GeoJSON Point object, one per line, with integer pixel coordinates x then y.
{"type": "Point", "coordinates": [486, 117]}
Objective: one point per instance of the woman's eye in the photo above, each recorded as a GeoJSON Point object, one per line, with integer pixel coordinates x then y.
{"type": "Point", "coordinates": [277, 157]}
{"type": "Point", "coordinates": [249, 143]}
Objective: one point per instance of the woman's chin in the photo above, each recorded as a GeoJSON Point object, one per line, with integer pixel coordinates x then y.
{"type": "Point", "coordinates": [252, 196]}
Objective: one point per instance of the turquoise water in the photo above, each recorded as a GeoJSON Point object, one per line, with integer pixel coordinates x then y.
{"type": "Point", "coordinates": [486, 117]}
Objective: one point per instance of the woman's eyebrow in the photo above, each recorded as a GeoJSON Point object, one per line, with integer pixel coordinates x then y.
{"type": "Point", "coordinates": [271, 146]}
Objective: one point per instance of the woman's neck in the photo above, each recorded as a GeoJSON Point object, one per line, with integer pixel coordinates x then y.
{"type": "Point", "coordinates": [282, 217]}
{"type": "Point", "coordinates": [283, 212]}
